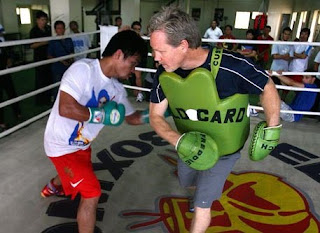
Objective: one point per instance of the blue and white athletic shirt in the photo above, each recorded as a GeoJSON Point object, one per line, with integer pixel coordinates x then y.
{"type": "Point", "coordinates": [237, 74]}
{"type": "Point", "coordinates": [86, 83]}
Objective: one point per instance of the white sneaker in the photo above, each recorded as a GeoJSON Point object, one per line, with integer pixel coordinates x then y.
{"type": "Point", "coordinates": [253, 112]}
{"type": "Point", "coordinates": [139, 97]}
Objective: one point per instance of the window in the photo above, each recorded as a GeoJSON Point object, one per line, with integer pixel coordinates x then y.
{"type": "Point", "coordinates": [313, 25]}
{"type": "Point", "coordinates": [255, 13]}
{"type": "Point", "coordinates": [293, 20]}
{"type": "Point", "coordinates": [302, 20]}
{"type": "Point", "coordinates": [24, 13]}
{"type": "Point", "coordinates": [242, 20]}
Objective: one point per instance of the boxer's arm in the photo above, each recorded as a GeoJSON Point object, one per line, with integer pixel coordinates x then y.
{"type": "Point", "coordinates": [160, 125]}
{"type": "Point", "coordinates": [70, 108]}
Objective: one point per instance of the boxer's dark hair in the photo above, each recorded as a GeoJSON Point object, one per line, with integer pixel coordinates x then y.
{"type": "Point", "coordinates": [129, 42]}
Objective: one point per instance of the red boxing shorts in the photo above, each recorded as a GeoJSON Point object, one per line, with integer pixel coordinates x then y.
{"type": "Point", "coordinates": [76, 174]}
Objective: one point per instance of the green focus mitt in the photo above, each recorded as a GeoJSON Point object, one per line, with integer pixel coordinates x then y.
{"type": "Point", "coordinates": [197, 150]}
{"type": "Point", "coordinates": [263, 141]}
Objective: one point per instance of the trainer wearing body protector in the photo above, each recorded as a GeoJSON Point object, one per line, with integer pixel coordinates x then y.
{"type": "Point", "coordinates": [207, 92]}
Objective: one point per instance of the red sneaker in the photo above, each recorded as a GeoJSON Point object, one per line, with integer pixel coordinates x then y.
{"type": "Point", "coordinates": [50, 189]}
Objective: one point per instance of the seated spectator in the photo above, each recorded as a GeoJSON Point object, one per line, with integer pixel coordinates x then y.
{"type": "Point", "coordinates": [80, 43]}
{"type": "Point", "coordinates": [6, 83]}
{"type": "Point", "coordinates": [59, 48]}
{"type": "Point", "coordinates": [227, 35]}
{"type": "Point", "coordinates": [264, 49]}
{"type": "Point", "coordinates": [248, 50]}
{"type": "Point", "coordinates": [303, 101]}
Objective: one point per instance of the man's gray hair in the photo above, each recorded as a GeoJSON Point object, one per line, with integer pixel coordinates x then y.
{"type": "Point", "coordinates": [177, 25]}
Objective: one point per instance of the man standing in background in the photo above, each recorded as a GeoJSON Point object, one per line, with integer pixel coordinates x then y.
{"type": "Point", "coordinates": [80, 43]}
{"type": "Point", "coordinates": [42, 75]}
{"type": "Point", "coordinates": [213, 32]}
{"type": "Point", "coordinates": [264, 49]}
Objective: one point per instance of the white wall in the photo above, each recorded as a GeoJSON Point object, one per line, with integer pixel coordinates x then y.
{"type": "Point", "coordinates": [130, 11]}
{"type": "Point", "coordinates": [275, 11]}
{"type": "Point", "coordinates": [146, 12]}
{"type": "Point", "coordinates": [8, 13]}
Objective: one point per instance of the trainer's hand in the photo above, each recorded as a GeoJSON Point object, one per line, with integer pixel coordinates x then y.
{"type": "Point", "coordinates": [263, 141]}
{"type": "Point", "coordinates": [197, 150]}
{"type": "Point", "coordinates": [145, 115]}
{"type": "Point", "coordinates": [110, 114]}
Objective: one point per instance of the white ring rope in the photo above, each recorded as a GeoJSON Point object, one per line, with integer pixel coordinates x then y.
{"type": "Point", "coordinates": [43, 39]}
{"type": "Point", "coordinates": [25, 123]}
{"type": "Point", "coordinates": [45, 62]}
{"type": "Point", "coordinates": [32, 93]}
{"type": "Point", "coordinates": [36, 64]}
{"type": "Point", "coordinates": [288, 111]}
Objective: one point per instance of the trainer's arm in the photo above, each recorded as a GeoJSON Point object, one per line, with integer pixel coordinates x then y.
{"type": "Point", "coordinates": [70, 108]}
{"type": "Point", "coordinates": [134, 118]}
{"type": "Point", "coordinates": [160, 125]}
{"type": "Point", "coordinates": [270, 102]}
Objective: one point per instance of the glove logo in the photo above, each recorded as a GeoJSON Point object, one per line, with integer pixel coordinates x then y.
{"type": "Point", "coordinates": [114, 116]}
{"type": "Point", "coordinates": [97, 117]}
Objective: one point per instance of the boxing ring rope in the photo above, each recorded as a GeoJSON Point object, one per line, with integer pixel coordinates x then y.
{"type": "Point", "coordinates": [36, 64]}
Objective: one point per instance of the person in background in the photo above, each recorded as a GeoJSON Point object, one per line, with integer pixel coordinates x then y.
{"type": "Point", "coordinates": [264, 49]}
{"type": "Point", "coordinates": [213, 32]}
{"type": "Point", "coordinates": [118, 22]}
{"type": "Point", "coordinates": [301, 54]}
{"type": "Point", "coordinates": [303, 100]}
{"type": "Point", "coordinates": [6, 83]}
{"type": "Point", "coordinates": [148, 80]}
{"type": "Point", "coordinates": [43, 76]}
{"type": "Point", "coordinates": [316, 68]}
{"type": "Point", "coordinates": [80, 43]}
{"type": "Point", "coordinates": [227, 35]}
{"type": "Point", "coordinates": [248, 50]}
{"type": "Point", "coordinates": [136, 77]}
{"type": "Point", "coordinates": [59, 48]}
{"type": "Point", "coordinates": [282, 54]}
{"type": "Point", "coordinates": [89, 98]}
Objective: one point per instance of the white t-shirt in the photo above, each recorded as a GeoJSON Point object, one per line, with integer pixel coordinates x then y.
{"type": "Point", "coordinates": [281, 64]}
{"type": "Point", "coordinates": [86, 83]}
{"type": "Point", "coordinates": [299, 64]}
{"type": "Point", "coordinates": [213, 34]}
{"type": "Point", "coordinates": [317, 60]}
{"type": "Point", "coordinates": [81, 43]}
